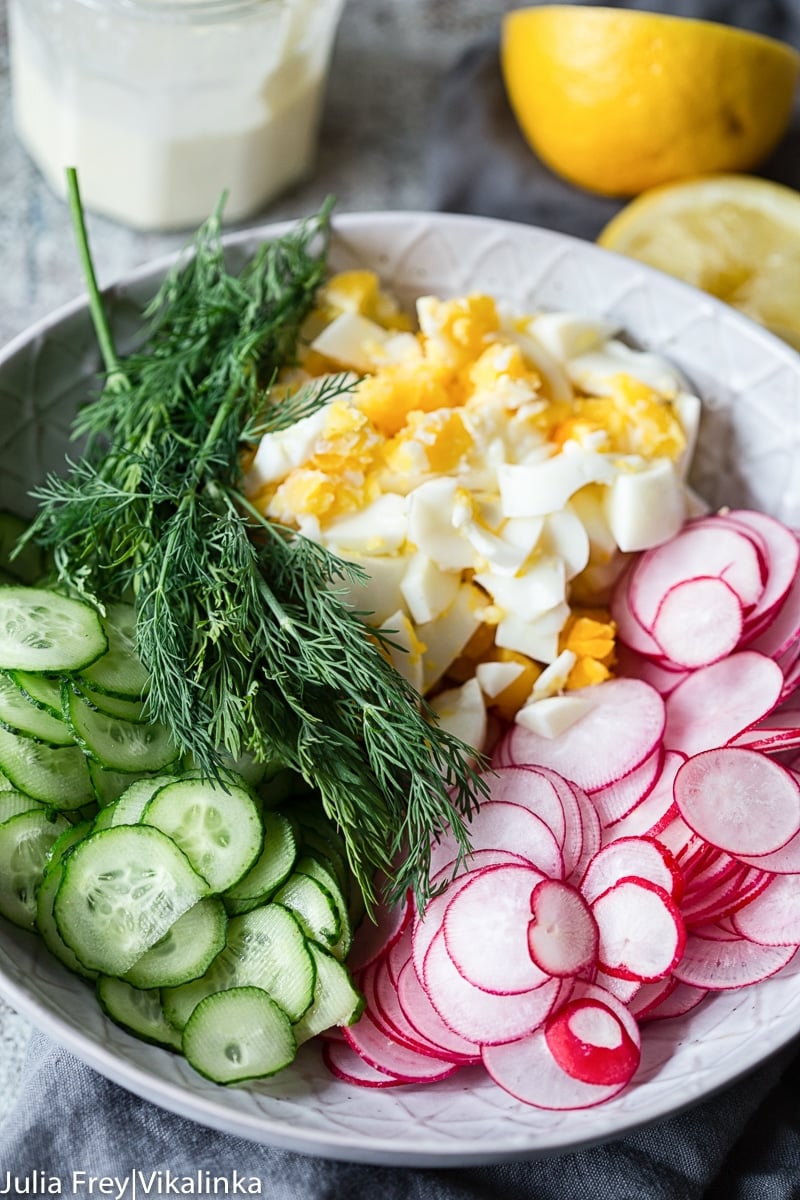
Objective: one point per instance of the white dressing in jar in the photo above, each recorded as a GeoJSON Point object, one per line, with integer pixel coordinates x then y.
{"type": "Point", "coordinates": [164, 104]}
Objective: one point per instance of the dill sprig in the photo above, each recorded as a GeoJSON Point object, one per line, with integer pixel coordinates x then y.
{"type": "Point", "coordinates": [240, 620]}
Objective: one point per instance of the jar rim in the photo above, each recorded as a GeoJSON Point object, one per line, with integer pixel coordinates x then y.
{"type": "Point", "coordinates": [179, 10]}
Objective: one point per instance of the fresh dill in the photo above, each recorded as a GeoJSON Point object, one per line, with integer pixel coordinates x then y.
{"type": "Point", "coordinates": [240, 620]}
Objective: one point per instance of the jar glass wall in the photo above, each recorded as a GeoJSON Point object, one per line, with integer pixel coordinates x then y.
{"type": "Point", "coordinates": [164, 104]}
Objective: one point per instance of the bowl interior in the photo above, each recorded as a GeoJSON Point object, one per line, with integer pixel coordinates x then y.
{"type": "Point", "coordinates": [747, 456]}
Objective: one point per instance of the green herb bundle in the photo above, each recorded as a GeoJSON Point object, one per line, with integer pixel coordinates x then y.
{"type": "Point", "coordinates": [239, 622]}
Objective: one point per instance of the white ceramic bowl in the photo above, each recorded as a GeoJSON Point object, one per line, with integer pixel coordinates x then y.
{"type": "Point", "coordinates": [748, 455]}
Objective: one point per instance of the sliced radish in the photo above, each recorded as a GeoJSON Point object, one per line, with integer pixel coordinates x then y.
{"type": "Point", "coordinates": [716, 703]}
{"type": "Point", "coordinates": [452, 871]}
{"type": "Point", "coordinates": [621, 728]}
{"type": "Point", "coordinates": [782, 557]}
{"type": "Point", "coordinates": [479, 1016]}
{"type": "Point", "coordinates": [423, 1017]}
{"type": "Point", "coordinates": [773, 917]}
{"type": "Point", "coordinates": [589, 1041]}
{"type": "Point", "coordinates": [642, 934]}
{"type": "Point", "coordinates": [528, 1070]}
{"type": "Point", "coordinates": [642, 857]}
{"type": "Point", "coordinates": [678, 1000]}
{"type": "Point", "coordinates": [649, 995]}
{"type": "Point", "coordinates": [374, 935]}
{"type": "Point", "coordinates": [427, 925]}
{"type": "Point", "coordinates": [619, 799]}
{"type": "Point", "coordinates": [783, 630]}
{"type": "Point", "coordinates": [386, 1054]}
{"type": "Point", "coordinates": [698, 621]}
{"type": "Point", "coordinates": [531, 789]}
{"type": "Point", "coordinates": [630, 630]}
{"type": "Point", "coordinates": [654, 813]}
{"type": "Point", "coordinates": [502, 826]}
{"type": "Point", "coordinates": [706, 548]}
{"type": "Point", "coordinates": [486, 930]}
{"type": "Point", "coordinates": [664, 677]}
{"type": "Point", "coordinates": [726, 899]}
{"type": "Point", "coordinates": [343, 1062]}
{"type": "Point", "coordinates": [624, 989]}
{"type": "Point", "coordinates": [739, 801]}
{"type": "Point", "coordinates": [386, 1010]}
{"type": "Point", "coordinates": [562, 937]}
{"type": "Point", "coordinates": [719, 964]}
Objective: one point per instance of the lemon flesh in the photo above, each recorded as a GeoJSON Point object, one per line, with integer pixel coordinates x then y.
{"type": "Point", "coordinates": [618, 100]}
{"type": "Point", "coordinates": [734, 236]}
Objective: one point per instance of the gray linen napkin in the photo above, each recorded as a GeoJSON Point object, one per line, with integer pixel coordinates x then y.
{"type": "Point", "coordinates": [742, 1144]}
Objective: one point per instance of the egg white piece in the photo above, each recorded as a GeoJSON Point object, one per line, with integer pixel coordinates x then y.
{"type": "Point", "coordinates": [538, 639]}
{"type": "Point", "coordinates": [594, 371]}
{"type": "Point", "coordinates": [536, 591]}
{"type": "Point", "coordinates": [646, 507]}
{"type": "Point", "coordinates": [566, 335]}
{"type": "Point", "coordinates": [554, 677]}
{"type": "Point", "coordinates": [404, 649]}
{"type": "Point", "coordinates": [379, 528]}
{"type": "Point", "coordinates": [495, 677]}
{"type": "Point", "coordinates": [434, 508]}
{"type": "Point", "coordinates": [536, 489]}
{"type": "Point", "coordinates": [446, 636]}
{"type": "Point", "coordinates": [427, 590]}
{"type": "Point", "coordinates": [379, 595]}
{"type": "Point", "coordinates": [281, 452]}
{"type": "Point", "coordinates": [462, 712]}
{"type": "Point", "coordinates": [354, 341]}
{"type": "Point", "coordinates": [552, 715]}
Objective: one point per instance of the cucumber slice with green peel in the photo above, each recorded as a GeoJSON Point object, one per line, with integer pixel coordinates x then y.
{"type": "Point", "coordinates": [186, 951]}
{"type": "Point", "coordinates": [12, 803]}
{"type": "Point", "coordinates": [42, 690]}
{"type": "Point", "coordinates": [137, 1010]}
{"type": "Point", "coordinates": [336, 1001]}
{"type": "Point", "coordinates": [129, 807]}
{"type": "Point", "coordinates": [119, 672]}
{"type": "Point", "coordinates": [42, 630]}
{"type": "Point", "coordinates": [265, 948]}
{"type": "Point", "coordinates": [25, 842]}
{"type": "Point", "coordinates": [313, 905]}
{"type": "Point", "coordinates": [29, 562]}
{"type": "Point", "coordinates": [57, 775]}
{"type": "Point", "coordinates": [119, 745]}
{"type": "Point", "coordinates": [308, 865]}
{"type": "Point", "coordinates": [20, 715]}
{"type": "Point", "coordinates": [122, 890]}
{"type": "Point", "coordinates": [45, 897]}
{"type": "Point", "coordinates": [271, 868]}
{"type": "Point", "coordinates": [125, 710]}
{"type": "Point", "coordinates": [237, 1035]}
{"type": "Point", "coordinates": [217, 825]}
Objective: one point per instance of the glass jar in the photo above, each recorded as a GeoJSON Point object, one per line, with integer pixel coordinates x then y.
{"type": "Point", "coordinates": [164, 104]}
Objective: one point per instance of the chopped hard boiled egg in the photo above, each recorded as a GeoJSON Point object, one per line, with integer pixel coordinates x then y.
{"type": "Point", "coordinates": [487, 471]}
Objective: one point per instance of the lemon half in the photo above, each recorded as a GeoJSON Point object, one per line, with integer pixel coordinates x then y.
{"type": "Point", "coordinates": [618, 101]}
{"type": "Point", "coordinates": [735, 236]}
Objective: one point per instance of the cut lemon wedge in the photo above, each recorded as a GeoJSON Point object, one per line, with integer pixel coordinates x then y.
{"type": "Point", "coordinates": [735, 236]}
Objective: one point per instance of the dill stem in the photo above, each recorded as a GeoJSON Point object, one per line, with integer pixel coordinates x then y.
{"type": "Point", "coordinates": [116, 377]}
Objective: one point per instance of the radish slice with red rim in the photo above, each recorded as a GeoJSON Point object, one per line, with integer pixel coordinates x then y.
{"type": "Point", "coordinates": [528, 1070]}
{"type": "Point", "coordinates": [486, 930]}
{"type": "Point", "coordinates": [423, 1017]}
{"type": "Point", "coordinates": [722, 963]}
{"type": "Point", "coordinates": [562, 936]}
{"type": "Point", "coordinates": [482, 1017]}
{"type": "Point", "coordinates": [387, 1054]}
{"type": "Point", "coordinates": [704, 548]}
{"type": "Point", "coordinates": [590, 1042]}
{"type": "Point", "coordinates": [642, 857]}
{"type": "Point", "coordinates": [698, 621]}
{"type": "Point", "coordinates": [773, 917]}
{"type": "Point", "coordinates": [343, 1062]}
{"type": "Point", "coordinates": [501, 826]}
{"type": "Point", "coordinates": [531, 789]}
{"type": "Point", "coordinates": [717, 703]}
{"type": "Point", "coordinates": [680, 999]}
{"type": "Point", "coordinates": [739, 801]}
{"type": "Point", "coordinates": [664, 677]}
{"type": "Point", "coordinates": [623, 725]}
{"type": "Point", "coordinates": [619, 799]}
{"type": "Point", "coordinates": [658, 808]}
{"type": "Point", "coordinates": [642, 934]}
{"type": "Point", "coordinates": [374, 935]}
{"type": "Point", "coordinates": [782, 558]}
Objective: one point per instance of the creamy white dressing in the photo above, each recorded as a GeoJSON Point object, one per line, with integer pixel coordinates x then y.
{"type": "Point", "coordinates": [163, 106]}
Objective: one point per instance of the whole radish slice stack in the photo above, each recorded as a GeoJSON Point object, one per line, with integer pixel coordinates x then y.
{"type": "Point", "coordinates": [643, 858]}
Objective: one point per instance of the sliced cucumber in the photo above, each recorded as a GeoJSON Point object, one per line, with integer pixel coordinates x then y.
{"type": "Point", "coordinates": [119, 672]}
{"type": "Point", "coordinates": [237, 1035]}
{"type": "Point", "coordinates": [25, 842]}
{"type": "Point", "coordinates": [20, 715]}
{"type": "Point", "coordinates": [186, 951]}
{"type": "Point", "coordinates": [336, 1001]}
{"type": "Point", "coordinates": [58, 775]}
{"type": "Point", "coordinates": [122, 890]}
{"type": "Point", "coordinates": [12, 803]}
{"type": "Point", "coordinates": [313, 905]}
{"type": "Point", "coordinates": [45, 897]}
{"type": "Point", "coordinates": [130, 805]}
{"type": "Point", "coordinates": [137, 1010]}
{"type": "Point", "coordinates": [308, 865]}
{"type": "Point", "coordinates": [42, 630]}
{"type": "Point", "coordinates": [118, 745]}
{"type": "Point", "coordinates": [42, 690]}
{"type": "Point", "coordinates": [217, 826]}
{"type": "Point", "coordinates": [270, 869]}
{"type": "Point", "coordinates": [112, 706]}
{"type": "Point", "coordinates": [265, 948]}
